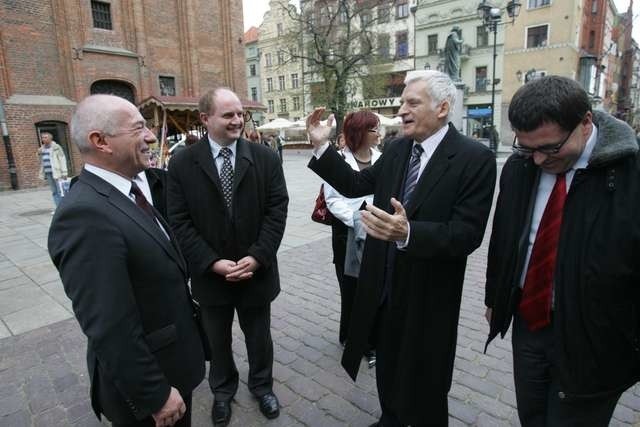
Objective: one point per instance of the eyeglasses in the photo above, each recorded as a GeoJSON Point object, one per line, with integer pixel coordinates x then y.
{"type": "Point", "coordinates": [543, 149]}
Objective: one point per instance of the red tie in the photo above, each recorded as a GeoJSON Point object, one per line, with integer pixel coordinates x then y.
{"type": "Point", "coordinates": [535, 304]}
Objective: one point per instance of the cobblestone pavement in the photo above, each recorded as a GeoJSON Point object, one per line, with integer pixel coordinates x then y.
{"type": "Point", "coordinates": [43, 380]}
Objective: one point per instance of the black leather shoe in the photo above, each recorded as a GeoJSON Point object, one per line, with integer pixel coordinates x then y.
{"type": "Point", "coordinates": [221, 412]}
{"type": "Point", "coordinates": [269, 405]}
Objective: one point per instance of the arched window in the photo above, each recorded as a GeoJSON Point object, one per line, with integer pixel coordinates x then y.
{"type": "Point", "coordinates": [114, 87]}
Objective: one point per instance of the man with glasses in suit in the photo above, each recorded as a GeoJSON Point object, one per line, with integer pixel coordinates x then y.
{"type": "Point", "coordinates": [563, 256]}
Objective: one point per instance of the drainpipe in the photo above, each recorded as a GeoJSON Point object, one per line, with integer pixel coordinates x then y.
{"type": "Point", "coordinates": [13, 173]}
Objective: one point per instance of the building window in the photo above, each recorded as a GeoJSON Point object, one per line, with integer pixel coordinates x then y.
{"type": "Point", "coordinates": [296, 103]}
{"type": "Point", "coordinates": [402, 9]}
{"type": "Point", "coordinates": [481, 79]}
{"type": "Point", "coordinates": [294, 54]}
{"type": "Point", "coordinates": [402, 45]}
{"type": "Point", "coordinates": [383, 46]}
{"type": "Point", "coordinates": [101, 12]}
{"type": "Point", "coordinates": [482, 36]}
{"type": "Point", "coordinates": [384, 12]}
{"type": "Point", "coordinates": [270, 108]}
{"type": "Point", "coordinates": [537, 36]}
{"type": "Point", "coordinates": [592, 39]}
{"type": "Point", "coordinates": [281, 82]}
{"type": "Point", "coordinates": [280, 30]}
{"type": "Point", "coordinates": [342, 14]}
{"type": "Point", "coordinates": [533, 4]}
{"type": "Point", "coordinates": [283, 105]}
{"type": "Point", "coordinates": [365, 19]}
{"type": "Point", "coordinates": [267, 59]}
{"type": "Point", "coordinates": [294, 81]}
{"type": "Point", "coordinates": [254, 93]}
{"type": "Point", "coordinates": [432, 44]}
{"type": "Point", "coordinates": [167, 86]}
{"type": "Point", "coordinates": [594, 6]}
{"type": "Point", "coordinates": [252, 69]}
{"type": "Point", "coordinates": [269, 84]}
{"type": "Point", "coordinates": [280, 57]}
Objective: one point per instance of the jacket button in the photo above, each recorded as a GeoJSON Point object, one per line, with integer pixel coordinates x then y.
{"type": "Point", "coordinates": [561, 395]}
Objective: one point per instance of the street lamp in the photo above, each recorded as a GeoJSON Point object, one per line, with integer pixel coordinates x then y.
{"type": "Point", "coordinates": [491, 17]}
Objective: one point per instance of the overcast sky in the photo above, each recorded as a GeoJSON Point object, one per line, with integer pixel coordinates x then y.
{"type": "Point", "coordinates": [254, 11]}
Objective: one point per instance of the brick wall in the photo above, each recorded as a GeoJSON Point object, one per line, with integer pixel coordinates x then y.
{"type": "Point", "coordinates": [42, 41]}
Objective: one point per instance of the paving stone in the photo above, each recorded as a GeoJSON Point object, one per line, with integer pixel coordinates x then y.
{"type": "Point", "coordinates": [55, 416]}
{"type": "Point", "coordinates": [307, 388]}
{"type": "Point", "coordinates": [10, 404]}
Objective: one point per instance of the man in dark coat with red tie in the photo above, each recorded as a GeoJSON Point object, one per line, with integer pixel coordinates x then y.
{"type": "Point", "coordinates": [227, 202]}
{"type": "Point", "coordinates": [563, 258]}
{"type": "Point", "coordinates": [125, 275]}
{"type": "Point", "coordinates": [432, 195]}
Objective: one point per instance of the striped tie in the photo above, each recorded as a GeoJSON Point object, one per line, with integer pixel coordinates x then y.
{"type": "Point", "coordinates": [412, 173]}
{"type": "Point", "coordinates": [535, 303]}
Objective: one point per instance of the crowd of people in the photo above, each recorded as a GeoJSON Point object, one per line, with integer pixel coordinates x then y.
{"type": "Point", "coordinates": [561, 265]}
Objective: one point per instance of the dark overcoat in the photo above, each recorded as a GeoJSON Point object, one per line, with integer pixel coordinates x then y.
{"type": "Point", "coordinates": [128, 286]}
{"type": "Point", "coordinates": [208, 231]}
{"type": "Point", "coordinates": [447, 215]}
{"type": "Point", "coordinates": [596, 305]}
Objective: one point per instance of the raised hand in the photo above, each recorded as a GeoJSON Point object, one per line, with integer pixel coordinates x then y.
{"type": "Point", "coordinates": [318, 134]}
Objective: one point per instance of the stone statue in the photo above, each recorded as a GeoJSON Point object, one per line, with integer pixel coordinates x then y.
{"type": "Point", "coordinates": [452, 50]}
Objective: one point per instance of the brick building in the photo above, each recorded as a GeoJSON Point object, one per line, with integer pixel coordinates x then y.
{"type": "Point", "coordinates": [53, 53]}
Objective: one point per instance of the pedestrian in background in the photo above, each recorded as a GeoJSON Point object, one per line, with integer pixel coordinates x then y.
{"type": "Point", "coordinates": [53, 165]}
{"type": "Point", "coordinates": [563, 257]}
{"type": "Point", "coordinates": [432, 196]}
{"type": "Point", "coordinates": [228, 206]}
{"type": "Point", "coordinates": [125, 276]}
{"type": "Point", "coordinates": [360, 134]}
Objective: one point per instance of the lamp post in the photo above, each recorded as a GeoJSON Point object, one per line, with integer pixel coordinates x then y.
{"type": "Point", "coordinates": [491, 17]}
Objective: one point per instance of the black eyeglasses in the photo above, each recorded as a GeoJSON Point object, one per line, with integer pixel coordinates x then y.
{"type": "Point", "coordinates": [544, 149]}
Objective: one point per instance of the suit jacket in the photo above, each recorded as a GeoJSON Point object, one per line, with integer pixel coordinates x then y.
{"type": "Point", "coordinates": [128, 286]}
{"type": "Point", "coordinates": [447, 214]}
{"type": "Point", "coordinates": [208, 231]}
{"type": "Point", "coordinates": [157, 179]}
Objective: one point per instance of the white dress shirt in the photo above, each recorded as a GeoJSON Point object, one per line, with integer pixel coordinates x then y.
{"type": "Point", "coordinates": [123, 185]}
{"type": "Point", "coordinates": [215, 150]}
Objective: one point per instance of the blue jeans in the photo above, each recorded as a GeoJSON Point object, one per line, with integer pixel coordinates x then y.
{"type": "Point", "coordinates": [53, 185]}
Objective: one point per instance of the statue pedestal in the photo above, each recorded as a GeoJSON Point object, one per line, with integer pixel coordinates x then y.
{"type": "Point", "coordinates": [458, 108]}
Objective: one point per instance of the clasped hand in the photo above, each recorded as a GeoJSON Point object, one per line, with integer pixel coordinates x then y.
{"type": "Point", "coordinates": [236, 271]}
{"type": "Point", "coordinates": [384, 226]}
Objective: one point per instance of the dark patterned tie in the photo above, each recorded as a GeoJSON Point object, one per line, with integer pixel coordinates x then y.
{"type": "Point", "coordinates": [141, 201]}
{"type": "Point", "coordinates": [226, 175]}
{"type": "Point", "coordinates": [535, 303]}
{"type": "Point", "coordinates": [412, 173]}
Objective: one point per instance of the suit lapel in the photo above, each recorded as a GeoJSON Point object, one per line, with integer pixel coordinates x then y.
{"type": "Point", "coordinates": [204, 158]}
{"type": "Point", "coordinates": [433, 171]}
{"type": "Point", "coordinates": [244, 159]}
{"type": "Point", "coordinates": [398, 173]}
{"type": "Point", "coordinates": [137, 215]}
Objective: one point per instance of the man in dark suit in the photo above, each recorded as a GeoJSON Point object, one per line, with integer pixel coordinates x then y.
{"type": "Point", "coordinates": [125, 275]}
{"type": "Point", "coordinates": [228, 205]}
{"type": "Point", "coordinates": [432, 195]}
{"type": "Point", "coordinates": [563, 258]}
